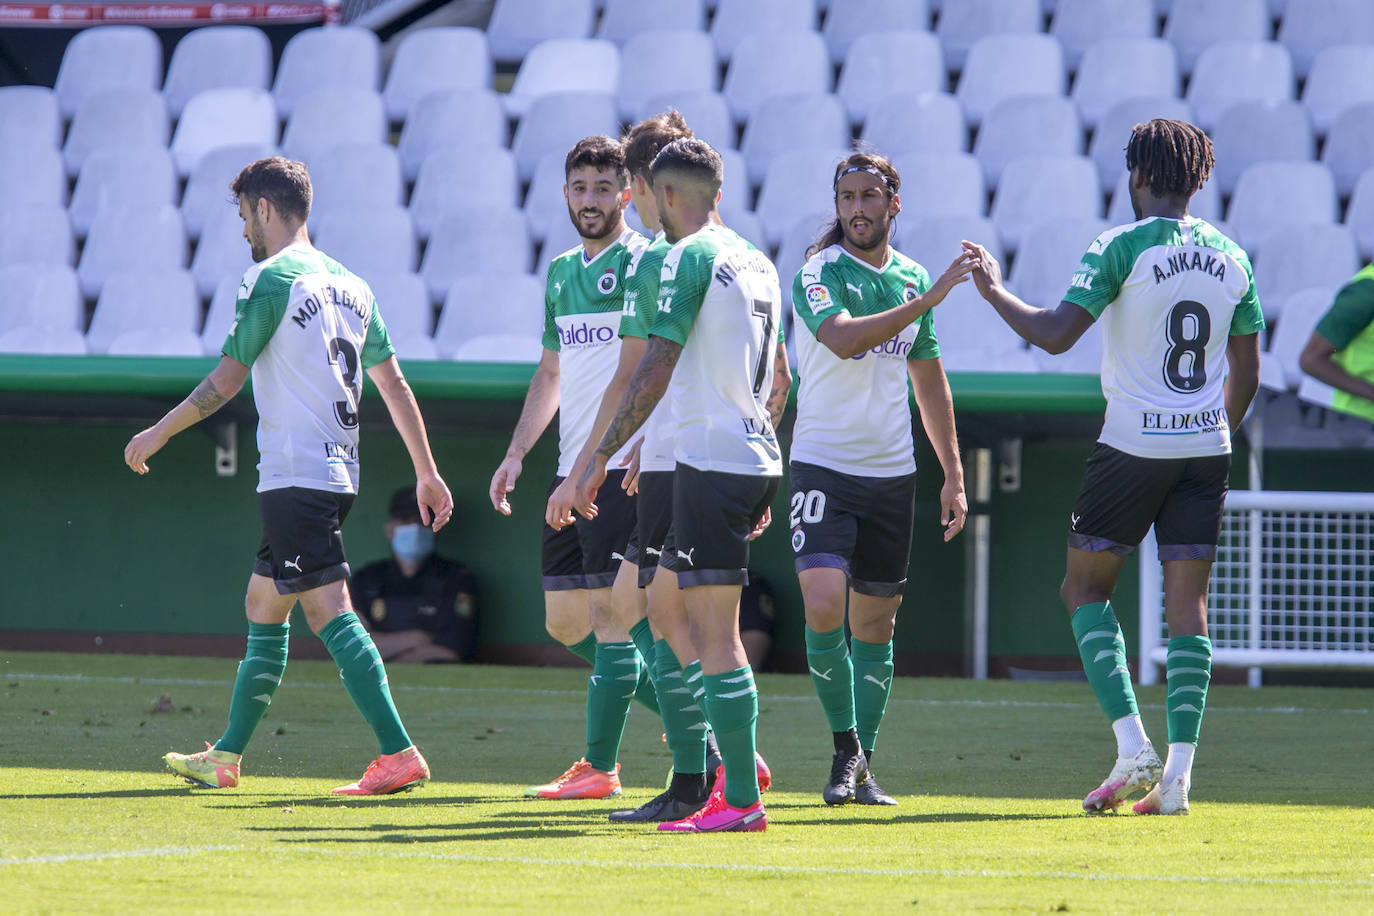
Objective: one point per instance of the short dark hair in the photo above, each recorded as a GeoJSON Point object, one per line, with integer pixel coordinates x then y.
{"type": "Point", "coordinates": [284, 183]}
{"type": "Point", "coordinates": [602, 153]}
{"type": "Point", "coordinates": [1174, 157]}
{"type": "Point", "coordinates": [646, 138]}
{"type": "Point", "coordinates": [693, 158]}
{"type": "Point", "coordinates": [405, 507]}
{"type": "Point", "coordinates": [866, 160]}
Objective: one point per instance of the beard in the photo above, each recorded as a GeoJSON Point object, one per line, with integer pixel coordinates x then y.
{"type": "Point", "coordinates": [877, 235]}
{"type": "Point", "coordinates": [607, 224]}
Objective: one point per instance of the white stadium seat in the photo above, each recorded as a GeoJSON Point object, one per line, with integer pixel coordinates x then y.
{"type": "Point", "coordinates": [216, 56]}
{"type": "Point", "coordinates": [450, 119]}
{"type": "Point", "coordinates": [500, 348]}
{"type": "Point", "coordinates": [545, 206]}
{"type": "Point", "coordinates": [1250, 132]}
{"type": "Point", "coordinates": [940, 184]}
{"type": "Point", "coordinates": [117, 118]}
{"type": "Point", "coordinates": [356, 174]}
{"type": "Point", "coordinates": [1078, 24]}
{"type": "Point", "coordinates": [1049, 256]}
{"type": "Point", "coordinates": [207, 190]}
{"type": "Point", "coordinates": [564, 65]}
{"type": "Point", "coordinates": [1027, 126]}
{"type": "Point", "coordinates": [774, 63]}
{"type": "Point", "coordinates": [965, 22]}
{"type": "Point", "coordinates": [1299, 314]}
{"type": "Point", "coordinates": [1308, 26]}
{"type": "Point", "coordinates": [849, 21]}
{"type": "Point", "coordinates": [41, 295]}
{"type": "Point", "coordinates": [31, 172]}
{"type": "Point", "coordinates": [221, 252]}
{"type": "Point", "coordinates": [1118, 69]}
{"type": "Point", "coordinates": [622, 21]}
{"type": "Point", "coordinates": [498, 241]}
{"type": "Point", "coordinates": [44, 341]}
{"type": "Point", "coordinates": [1342, 77]}
{"type": "Point", "coordinates": [1002, 66]}
{"type": "Point", "coordinates": [774, 127]}
{"type": "Point", "coordinates": [736, 20]}
{"type": "Point", "coordinates": [445, 185]}
{"type": "Point", "coordinates": [1272, 195]}
{"type": "Point", "coordinates": [664, 63]}
{"type": "Point", "coordinates": [518, 25]}
{"type": "Point", "coordinates": [369, 240]}
{"type": "Point", "coordinates": [155, 342]}
{"type": "Point", "coordinates": [1113, 131]}
{"type": "Point", "coordinates": [404, 303]}
{"type": "Point", "coordinates": [1193, 25]}
{"type": "Point", "coordinates": [490, 303]}
{"type": "Point", "coordinates": [327, 117]}
{"type": "Point", "coordinates": [154, 299]}
{"type": "Point", "coordinates": [110, 57]}
{"type": "Point", "coordinates": [557, 121]}
{"type": "Point", "coordinates": [1359, 215]}
{"type": "Point", "coordinates": [30, 112]}
{"type": "Point", "coordinates": [341, 57]}
{"type": "Point", "coordinates": [1349, 147]}
{"type": "Point", "coordinates": [745, 223]}
{"type": "Point", "coordinates": [798, 183]}
{"type": "Point", "coordinates": [222, 117]}
{"type": "Point", "coordinates": [929, 122]}
{"type": "Point", "coordinates": [220, 317]}
{"type": "Point", "coordinates": [433, 59]}
{"type": "Point", "coordinates": [122, 177]}
{"type": "Point", "coordinates": [38, 234]}
{"type": "Point", "coordinates": [1300, 255]}
{"type": "Point", "coordinates": [893, 61]}
{"type": "Point", "coordinates": [1034, 188]}
{"type": "Point", "coordinates": [1205, 204]}
{"type": "Point", "coordinates": [1235, 71]}
{"type": "Point", "coordinates": [707, 114]}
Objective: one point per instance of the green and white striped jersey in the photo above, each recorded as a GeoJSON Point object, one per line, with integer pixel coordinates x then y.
{"type": "Point", "coordinates": [307, 327]}
{"type": "Point", "coordinates": [853, 415]}
{"type": "Point", "coordinates": [641, 303]}
{"type": "Point", "coordinates": [719, 298]}
{"type": "Point", "coordinates": [583, 299]}
{"type": "Point", "coordinates": [1177, 291]}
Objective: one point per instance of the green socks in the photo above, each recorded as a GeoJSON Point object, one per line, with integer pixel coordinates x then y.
{"type": "Point", "coordinates": [609, 691]}
{"type": "Point", "coordinates": [1103, 651]}
{"type": "Point", "coordinates": [1188, 668]}
{"type": "Point", "coordinates": [872, 686]}
{"type": "Point", "coordinates": [732, 706]}
{"type": "Point", "coordinates": [684, 723]}
{"type": "Point", "coordinates": [364, 676]}
{"type": "Point", "coordinates": [259, 675]}
{"type": "Point", "coordinates": [585, 649]}
{"type": "Point", "coordinates": [833, 674]}
{"type": "Point", "coordinates": [644, 690]}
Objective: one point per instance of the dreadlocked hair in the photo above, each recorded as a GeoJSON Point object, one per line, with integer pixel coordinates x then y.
{"type": "Point", "coordinates": [1174, 157]}
{"type": "Point", "coordinates": [864, 160]}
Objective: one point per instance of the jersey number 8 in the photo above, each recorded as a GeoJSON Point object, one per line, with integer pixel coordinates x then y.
{"type": "Point", "coordinates": [1187, 330]}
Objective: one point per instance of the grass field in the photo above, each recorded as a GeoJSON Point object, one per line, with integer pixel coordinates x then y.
{"type": "Point", "coordinates": [990, 776]}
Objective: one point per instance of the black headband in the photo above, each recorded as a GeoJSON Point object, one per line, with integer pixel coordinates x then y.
{"type": "Point", "coordinates": [872, 170]}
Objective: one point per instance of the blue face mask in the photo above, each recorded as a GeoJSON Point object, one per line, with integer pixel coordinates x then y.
{"type": "Point", "coordinates": [412, 543]}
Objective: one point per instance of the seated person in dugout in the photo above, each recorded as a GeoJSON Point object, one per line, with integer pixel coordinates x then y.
{"type": "Point", "coordinates": [419, 606]}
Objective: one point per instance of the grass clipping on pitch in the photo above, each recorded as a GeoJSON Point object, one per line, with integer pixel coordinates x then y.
{"type": "Point", "coordinates": [989, 776]}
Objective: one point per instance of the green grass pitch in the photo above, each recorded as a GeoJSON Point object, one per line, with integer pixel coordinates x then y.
{"type": "Point", "coordinates": [989, 775]}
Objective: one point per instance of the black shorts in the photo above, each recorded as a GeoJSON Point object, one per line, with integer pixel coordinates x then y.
{"type": "Point", "coordinates": [302, 538]}
{"type": "Point", "coordinates": [713, 515]}
{"type": "Point", "coordinates": [655, 517]}
{"type": "Point", "coordinates": [1123, 495]}
{"type": "Point", "coordinates": [587, 553]}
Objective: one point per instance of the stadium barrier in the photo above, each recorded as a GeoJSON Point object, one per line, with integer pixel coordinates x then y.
{"type": "Point", "coordinates": [1292, 586]}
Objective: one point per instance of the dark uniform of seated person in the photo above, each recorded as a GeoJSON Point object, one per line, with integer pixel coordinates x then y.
{"type": "Point", "coordinates": [419, 606]}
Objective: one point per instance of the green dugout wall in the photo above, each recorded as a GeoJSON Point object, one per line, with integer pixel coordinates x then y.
{"type": "Point", "coordinates": [99, 558]}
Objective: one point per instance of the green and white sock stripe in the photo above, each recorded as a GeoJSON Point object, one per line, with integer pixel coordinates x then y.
{"type": "Point", "coordinates": [609, 691]}
{"type": "Point", "coordinates": [259, 675]}
{"type": "Point", "coordinates": [364, 676]}
{"type": "Point", "coordinates": [872, 686]}
{"type": "Point", "coordinates": [733, 704]}
{"type": "Point", "coordinates": [1188, 670]}
{"type": "Point", "coordinates": [684, 725]}
{"type": "Point", "coordinates": [1103, 652]}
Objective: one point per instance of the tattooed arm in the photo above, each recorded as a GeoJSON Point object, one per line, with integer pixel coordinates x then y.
{"type": "Point", "coordinates": [782, 384]}
{"type": "Point", "coordinates": [642, 394]}
{"type": "Point", "coordinates": [214, 391]}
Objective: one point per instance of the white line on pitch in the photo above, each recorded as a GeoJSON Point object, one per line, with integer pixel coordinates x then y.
{"type": "Point", "coordinates": [120, 854]}
{"type": "Point", "coordinates": [764, 698]}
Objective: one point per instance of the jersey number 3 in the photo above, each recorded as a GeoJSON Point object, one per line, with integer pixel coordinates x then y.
{"type": "Point", "coordinates": [1187, 330]}
{"type": "Point", "coordinates": [343, 354]}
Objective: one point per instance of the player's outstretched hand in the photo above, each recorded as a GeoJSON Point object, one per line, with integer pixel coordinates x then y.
{"type": "Point", "coordinates": [142, 447]}
{"type": "Point", "coordinates": [630, 482]}
{"type": "Point", "coordinates": [987, 273]}
{"type": "Point", "coordinates": [435, 501]}
{"type": "Point", "coordinates": [588, 484]}
{"type": "Point", "coordinates": [953, 508]}
{"type": "Point", "coordinates": [559, 512]}
{"type": "Point", "coordinates": [502, 482]}
{"type": "Point", "coordinates": [957, 272]}
{"type": "Point", "coordinates": [764, 521]}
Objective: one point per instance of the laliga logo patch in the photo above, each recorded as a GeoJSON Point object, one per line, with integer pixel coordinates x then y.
{"type": "Point", "coordinates": [798, 539]}
{"type": "Point", "coordinates": [818, 297]}
{"type": "Point", "coordinates": [607, 283]}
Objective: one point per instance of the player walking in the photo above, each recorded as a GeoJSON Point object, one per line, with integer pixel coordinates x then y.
{"type": "Point", "coordinates": [866, 311]}
{"type": "Point", "coordinates": [306, 326]}
{"type": "Point", "coordinates": [716, 338]}
{"type": "Point", "coordinates": [583, 301]}
{"type": "Point", "coordinates": [1180, 321]}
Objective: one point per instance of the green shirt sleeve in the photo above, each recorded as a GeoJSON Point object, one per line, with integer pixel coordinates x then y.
{"type": "Point", "coordinates": [377, 346]}
{"type": "Point", "coordinates": [818, 297]}
{"type": "Point", "coordinates": [552, 340]}
{"type": "Point", "coordinates": [682, 289]}
{"type": "Point", "coordinates": [1248, 318]}
{"type": "Point", "coordinates": [256, 317]}
{"type": "Point", "coordinates": [1350, 314]}
{"type": "Point", "coordinates": [1101, 272]}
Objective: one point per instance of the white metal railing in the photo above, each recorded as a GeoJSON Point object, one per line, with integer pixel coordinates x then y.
{"type": "Point", "coordinates": [1293, 584]}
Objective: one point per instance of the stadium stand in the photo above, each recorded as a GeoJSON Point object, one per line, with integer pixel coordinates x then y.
{"type": "Point", "coordinates": [1246, 20]}
{"type": "Point", "coordinates": [1003, 66]}
{"type": "Point", "coordinates": [489, 303]}
{"type": "Point", "coordinates": [41, 296]}
{"type": "Point", "coordinates": [1341, 77]}
{"type": "Point", "coordinates": [37, 235]}
{"type": "Point", "coordinates": [773, 128]}
{"type": "Point", "coordinates": [1048, 257]}
{"type": "Point", "coordinates": [115, 176]}
{"type": "Point", "coordinates": [1349, 147]}
{"type": "Point", "coordinates": [1034, 188]}
{"type": "Point", "coordinates": [220, 316]}
{"type": "Point", "coordinates": [1078, 24]}
{"type": "Point", "coordinates": [929, 122]}
{"type": "Point", "coordinates": [31, 112]}
{"type": "Point", "coordinates": [1271, 195]}
{"type": "Point", "coordinates": [207, 188]}
{"type": "Point", "coordinates": [370, 240]}
{"type": "Point", "coordinates": [1107, 148]}
{"type": "Point", "coordinates": [554, 122]}
{"type": "Point", "coordinates": [340, 58]}
{"type": "Point", "coordinates": [1308, 26]}
{"type": "Point", "coordinates": [451, 119]}
{"type": "Point", "coordinates": [221, 251]}
{"type": "Point", "coordinates": [1235, 71]}
{"type": "Point", "coordinates": [564, 65]}
{"type": "Point", "coordinates": [670, 64]}
{"type": "Point", "coordinates": [115, 117]}
{"type": "Point", "coordinates": [1254, 131]}
{"type": "Point", "coordinates": [622, 21]}
{"type": "Point", "coordinates": [110, 57]}
{"type": "Point", "coordinates": [434, 59]}
{"type": "Point", "coordinates": [518, 25]}
{"type": "Point", "coordinates": [499, 241]}
{"type": "Point", "coordinates": [445, 184]}
{"type": "Point", "coordinates": [1117, 69]}
{"type": "Point", "coordinates": [941, 184]}
{"type": "Point", "coordinates": [1301, 311]}
{"type": "Point", "coordinates": [214, 57]}
{"type": "Point", "coordinates": [349, 174]}
{"type": "Point", "coordinates": [1301, 255]}
{"type": "Point", "coordinates": [797, 183]}
{"type": "Point", "coordinates": [962, 24]}
{"type": "Point", "coordinates": [706, 111]}
{"type": "Point", "coordinates": [31, 172]}
{"type": "Point", "coordinates": [736, 21]}
{"type": "Point", "coordinates": [157, 300]}
{"type": "Point", "coordinates": [1359, 215]}
{"type": "Point", "coordinates": [221, 117]}
{"type": "Point", "coordinates": [328, 116]}
{"type": "Point", "coordinates": [906, 61]}
{"type": "Point", "coordinates": [863, 21]}
{"type": "Point", "coordinates": [1027, 126]}
{"type": "Point", "coordinates": [774, 62]}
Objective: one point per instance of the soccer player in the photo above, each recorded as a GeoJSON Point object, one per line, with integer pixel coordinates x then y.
{"type": "Point", "coordinates": [866, 312]}
{"type": "Point", "coordinates": [717, 325]}
{"type": "Point", "coordinates": [306, 326]}
{"type": "Point", "coordinates": [1340, 351]}
{"type": "Point", "coordinates": [583, 299]}
{"type": "Point", "coordinates": [1181, 321]}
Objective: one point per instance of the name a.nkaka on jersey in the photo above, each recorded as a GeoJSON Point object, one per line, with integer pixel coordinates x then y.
{"type": "Point", "coordinates": [338, 298]}
{"type": "Point", "coordinates": [1212, 266]}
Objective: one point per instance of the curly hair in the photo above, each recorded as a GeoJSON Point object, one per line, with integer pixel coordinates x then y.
{"type": "Point", "coordinates": [1174, 157]}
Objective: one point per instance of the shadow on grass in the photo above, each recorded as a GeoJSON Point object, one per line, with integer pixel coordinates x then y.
{"type": "Point", "coordinates": [945, 817]}
{"type": "Point", "coordinates": [353, 801]}
{"type": "Point", "coordinates": [429, 833]}
{"type": "Point", "coordinates": [113, 793]}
